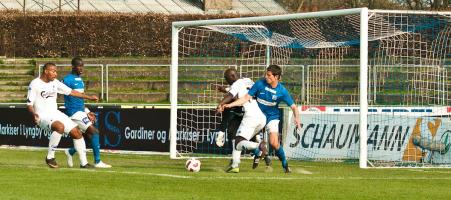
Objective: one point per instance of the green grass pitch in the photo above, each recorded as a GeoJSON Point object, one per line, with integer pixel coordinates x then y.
{"type": "Point", "coordinates": [24, 175]}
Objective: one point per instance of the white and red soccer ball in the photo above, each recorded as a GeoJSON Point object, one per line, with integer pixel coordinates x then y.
{"type": "Point", "coordinates": [192, 165]}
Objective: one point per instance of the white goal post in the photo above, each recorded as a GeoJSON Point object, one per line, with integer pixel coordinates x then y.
{"type": "Point", "coordinates": [407, 69]}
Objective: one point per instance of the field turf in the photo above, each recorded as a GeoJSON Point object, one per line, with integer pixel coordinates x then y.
{"type": "Point", "coordinates": [24, 175]}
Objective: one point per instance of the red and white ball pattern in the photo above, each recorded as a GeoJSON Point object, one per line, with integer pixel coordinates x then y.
{"type": "Point", "coordinates": [192, 165]}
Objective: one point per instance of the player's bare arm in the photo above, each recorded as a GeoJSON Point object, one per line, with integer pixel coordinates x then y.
{"type": "Point", "coordinates": [227, 99]}
{"type": "Point", "coordinates": [297, 118]}
{"type": "Point", "coordinates": [239, 102]}
{"type": "Point", "coordinates": [92, 117]}
{"type": "Point", "coordinates": [34, 114]}
{"type": "Point", "coordinates": [84, 96]}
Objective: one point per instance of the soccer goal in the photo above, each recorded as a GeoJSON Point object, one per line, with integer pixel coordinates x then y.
{"type": "Point", "coordinates": [372, 85]}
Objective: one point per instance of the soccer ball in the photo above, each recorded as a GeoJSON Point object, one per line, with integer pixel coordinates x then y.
{"type": "Point", "coordinates": [192, 165]}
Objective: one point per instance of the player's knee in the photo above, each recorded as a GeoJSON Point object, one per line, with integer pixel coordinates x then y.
{"type": "Point", "coordinates": [91, 130]}
{"type": "Point", "coordinates": [274, 144]}
{"type": "Point", "coordinates": [58, 127]}
{"type": "Point", "coordinates": [75, 133]}
{"type": "Point", "coordinates": [238, 139]}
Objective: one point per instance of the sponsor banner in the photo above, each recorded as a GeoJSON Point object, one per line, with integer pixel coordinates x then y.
{"type": "Point", "coordinates": [394, 134]}
{"type": "Point", "coordinates": [120, 129]}
{"type": "Point", "coordinates": [413, 111]}
{"type": "Point", "coordinates": [17, 128]}
{"type": "Point", "coordinates": [197, 129]}
{"type": "Point", "coordinates": [135, 129]}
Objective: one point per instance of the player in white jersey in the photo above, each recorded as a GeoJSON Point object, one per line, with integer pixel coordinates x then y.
{"type": "Point", "coordinates": [253, 120]}
{"type": "Point", "coordinates": [41, 103]}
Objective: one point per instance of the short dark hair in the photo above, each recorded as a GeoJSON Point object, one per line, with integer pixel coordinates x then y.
{"type": "Point", "coordinates": [275, 70]}
{"type": "Point", "coordinates": [77, 61]}
{"type": "Point", "coordinates": [229, 71]}
{"type": "Point", "coordinates": [47, 65]}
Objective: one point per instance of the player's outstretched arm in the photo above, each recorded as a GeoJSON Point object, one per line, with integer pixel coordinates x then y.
{"type": "Point", "coordinates": [227, 99]}
{"type": "Point", "coordinates": [239, 102]}
{"type": "Point", "coordinates": [84, 96]}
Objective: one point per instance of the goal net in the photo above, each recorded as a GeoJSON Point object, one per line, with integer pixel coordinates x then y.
{"type": "Point", "coordinates": [371, 85]}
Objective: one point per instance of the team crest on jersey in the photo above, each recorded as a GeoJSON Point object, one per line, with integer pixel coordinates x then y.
{"type": "Point", "coordinates": [274, 97]}
{"type": "Point", "coordinates": [47, 94]}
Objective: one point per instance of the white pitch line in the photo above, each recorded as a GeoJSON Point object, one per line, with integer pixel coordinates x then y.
{"type": "Point", "coordinates": [264, 178]}
{"type": "Point", "coordinates": [234, 177]}
{"type": "Point", "coordinates": [110, 171]}
{"type": "Point", "coordinates": [128, 172]}
{"type": "Point", "coordinates": [426, 171]}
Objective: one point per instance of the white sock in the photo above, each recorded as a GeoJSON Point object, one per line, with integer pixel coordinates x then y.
{"type": "Point", "coordinates": [80, 146]}
{"type": "Point", "coordinates": [246, 145]}
{"type": "Point", "coordinates": [54, 140]}
{"type": "Point", "coordinates": [235, 156]}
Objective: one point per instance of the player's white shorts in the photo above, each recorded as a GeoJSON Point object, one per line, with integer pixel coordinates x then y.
{"type": "Point", "coordinates": [273, 126]}
{"type": "Point", "coordinates": [251, 125]}
{"type": "Point", "coordinates": [46, 120]}
{"type": "Point", "coordinates": [82, 120]}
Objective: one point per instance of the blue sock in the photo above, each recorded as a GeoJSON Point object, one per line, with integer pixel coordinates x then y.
{"type": "Point", "coordinates": [256, 152]}
{"type": "Point", "coordinates": [281, 155]}
{"type": "Point", "coordinates": [95, 143]}
{"type": "Point", "coordinates": [72, 151]}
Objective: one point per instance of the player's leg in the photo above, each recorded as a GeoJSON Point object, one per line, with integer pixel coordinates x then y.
{"type": "Point", "coordinates": [81, 119]}
{"type": "Point", "coordinates": [232, 129]}
{"type": "Point", "coordinates": [231, 119]}
{"type": "Point", "coordinates": [258, 138]}
{"type": "Point", "coordinates": [273, 127]}
{"type": "Point", "coordinates": [79, 143]}
{"type": "Point", "coordinates": [86, 126]}
{"type": "Point", "coordinates": [235, 162]}
{"type": "Point", "coordinates": [245, 132]}
{"type": "Point", "coordinates": [241, 143]}
{"type": "Point", "coordinates": [80, 146]}
{"type": "Point", "coordinates": [250, 125]}
{"type": "Point", "coordinates": [95, 143]}
{"type": "Point", "coordinates": [220, 135]}
{"type": "Point", "coordinates": [57, 132]}
{"type": "Point", "coordinates": [260, 121]}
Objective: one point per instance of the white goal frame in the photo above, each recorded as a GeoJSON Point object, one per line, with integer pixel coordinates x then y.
{"type": "Point", "coordinates": [177, 26]}
{"type": "Point", "coordinates": [363, 68]}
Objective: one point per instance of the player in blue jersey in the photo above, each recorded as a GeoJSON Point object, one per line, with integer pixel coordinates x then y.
{"type": "Point", "coordinates": [75, 108]}
{"type": "Point", "coordinates": [269, 93]}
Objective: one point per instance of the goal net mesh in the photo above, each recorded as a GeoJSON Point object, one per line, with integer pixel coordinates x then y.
{"type": "Point", "coordinates": [408, 85]}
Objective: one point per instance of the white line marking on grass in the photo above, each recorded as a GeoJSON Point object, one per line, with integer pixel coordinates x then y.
{"type": "Point", "coordinates": [429, 171]}
{"type": "Point", "coordinates": [238, 177]}
{"type": "Point", "coordinates": [302, 171]}
{"type": "Point", "coordinates": [320, 178]}
{"type": "Point", "coordinates": [111, 171]}
{"type": "Point", "coordinates": [128, 172]}
{"type": "Point", "coordinates": [440, 172]}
